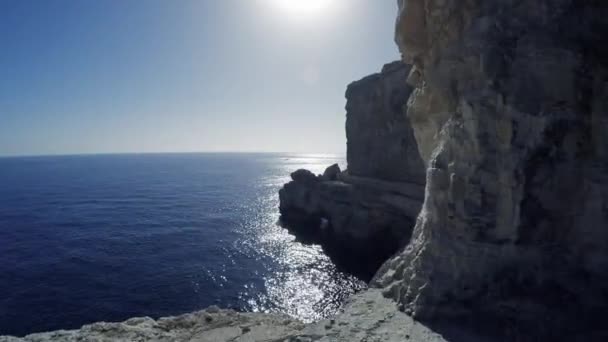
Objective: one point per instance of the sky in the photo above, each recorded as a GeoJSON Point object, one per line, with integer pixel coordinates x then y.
{"type": "Point", "coordinates": [120, 76]}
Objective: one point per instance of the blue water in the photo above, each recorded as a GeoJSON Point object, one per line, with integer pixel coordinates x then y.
{"type": "Point", "coordinates": [108, 237]}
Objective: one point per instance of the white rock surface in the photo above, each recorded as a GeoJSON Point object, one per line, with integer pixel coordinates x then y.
{"type": "Point", "coordinates": [366, 317]}
{"type": "Point", "coordinates": [515, 220]}
{"type": "Point", "coordinates": [211, 325]}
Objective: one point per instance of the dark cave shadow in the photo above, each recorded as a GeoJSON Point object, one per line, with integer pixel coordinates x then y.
{"type": "Point", "coordinates": [347, 258]}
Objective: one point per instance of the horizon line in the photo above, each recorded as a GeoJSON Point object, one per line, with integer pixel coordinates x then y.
{"type": "Point", "coordinates": [84, 154]}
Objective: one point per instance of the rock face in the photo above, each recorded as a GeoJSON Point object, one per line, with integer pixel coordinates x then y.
{"type": "Point", "coordinates": [509, 111]}
{"type": "Point", "coordinates": [211, 325]}
{"type": "Point", "coordinates": [369, 211]}
{"type": "Point", "coordinates": [380, 140]}
{"type": "Point", "coordinates": [500, 159]}
{"type": "Point", "coordinates": [366, 317]}
{"type": "Point", "coordinates": [359, 220]}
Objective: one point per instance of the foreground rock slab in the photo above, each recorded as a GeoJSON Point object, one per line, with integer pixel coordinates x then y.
{"type": "Point", "coordinates": [371, 317]}
{"type": "Point", "coordinates": [509, 102]}
{"type": "Point", "coordinates": [211, 325]}
{"type": "Point", "coordinates": [366, 317]}
{"type": "Point", "coordinates": [368, 211]}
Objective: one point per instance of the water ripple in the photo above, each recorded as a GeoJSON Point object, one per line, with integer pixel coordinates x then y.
{"type": "Point", "coordinates": [92, 238]}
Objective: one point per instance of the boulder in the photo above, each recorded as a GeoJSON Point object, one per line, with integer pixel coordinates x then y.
{"type": "Point", "coordinates": [366, 317]}
{"type": "Point", "coordinates": [332, 173]}
{"type": "Point", "coordinates": [303, 176]}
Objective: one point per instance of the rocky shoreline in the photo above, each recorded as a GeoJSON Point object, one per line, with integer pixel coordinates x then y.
{"type": "Point", "coordinates": [476, 184]}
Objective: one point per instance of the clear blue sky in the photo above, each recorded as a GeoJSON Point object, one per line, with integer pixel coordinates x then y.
{"type": "Point", "coordinates": [84, 76]}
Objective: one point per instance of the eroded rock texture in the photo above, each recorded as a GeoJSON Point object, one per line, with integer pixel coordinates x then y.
{"type": "Point", "coordinates": [368, 211]}
{"type": "Point", "coordinates": [361, 221]}
{"type": "Point", "coordinates": [366, 317]}
{"type": "Point", "coordinates": [211, 325]}
{"type": "Point", "coordinates": [510, 115]}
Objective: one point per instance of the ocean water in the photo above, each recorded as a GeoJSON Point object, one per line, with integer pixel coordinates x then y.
{"type": "Point", "coordinates": [108, 237]}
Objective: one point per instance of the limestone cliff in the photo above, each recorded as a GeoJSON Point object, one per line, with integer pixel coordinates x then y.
{"type": "Point", "coordinates": [380, 139]}
{"type": "Point", "coordinates": [510, 113]}
{"type": "Point", "coordinates": [366, 213]}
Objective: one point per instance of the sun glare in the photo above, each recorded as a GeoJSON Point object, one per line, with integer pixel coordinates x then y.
{"type": "Point", "coordinates": [307, 7]}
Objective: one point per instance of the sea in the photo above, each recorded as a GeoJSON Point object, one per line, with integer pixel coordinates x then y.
{"type": "Point", "coordinates": [107, 237]}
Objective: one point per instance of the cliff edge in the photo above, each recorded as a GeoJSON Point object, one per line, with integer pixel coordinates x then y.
{"type": "Point", "coordinates": [510, 113]}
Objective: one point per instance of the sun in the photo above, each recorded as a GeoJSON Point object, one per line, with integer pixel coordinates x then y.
{"type": "Point", "coordinates": [304, 7]}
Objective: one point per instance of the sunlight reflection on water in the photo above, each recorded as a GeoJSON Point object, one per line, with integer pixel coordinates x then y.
{"type": "Point", "coordinates": [109, 237]}
{"type": "Point", "coordinates": [304, 282]}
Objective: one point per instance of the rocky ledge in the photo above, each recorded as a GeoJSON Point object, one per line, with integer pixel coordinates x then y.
{"type": "Point", "coordinates": [365, 317]}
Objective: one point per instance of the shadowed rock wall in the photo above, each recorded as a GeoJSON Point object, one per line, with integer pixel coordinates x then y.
{"type": "Point", "coordinates": [509, 102]}
{"type": "Point", "coordinates": [380, 140]}
{"type": "Point", "coordinates": [366, 213]}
